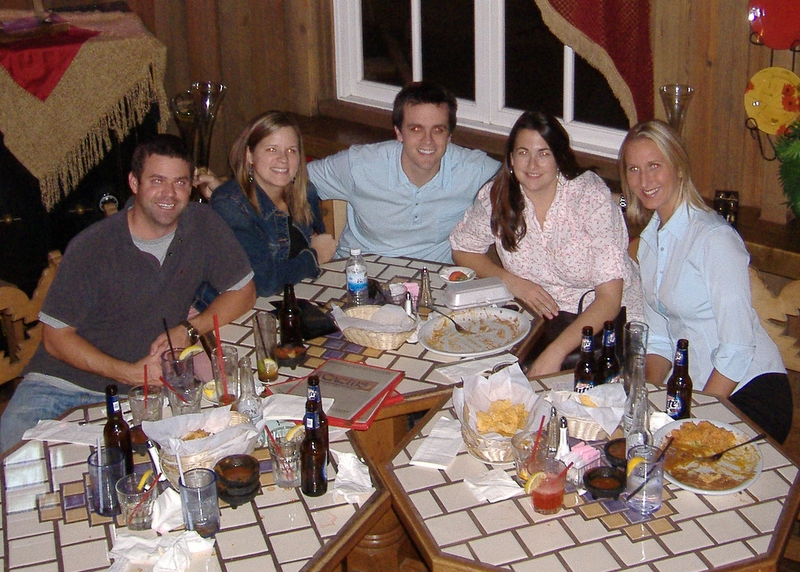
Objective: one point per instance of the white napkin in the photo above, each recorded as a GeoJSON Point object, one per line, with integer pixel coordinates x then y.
{"type": "Point", "coordinates": [283, 406]}
{"type": "Point", "coordinates": [64, 432]}
{"type": "Point", "coordinates": [494, 485]}
{"type": "Point", "coordinates": [458, 370]}
{"type": "Point", "coordinates": [167, 513]}
{"type": "Point", "coordinates": [657, 420]}
{"type": "Point", "coordinates": [439, 448]}
{"type": "Point", "coordinates": [609, 400]}
{"type": "Point", "coordinates": [388, 318]}
{"type": "Point", "coordinates": [164, 553]}
{"type": "Point", "coordinates": [352, 478]}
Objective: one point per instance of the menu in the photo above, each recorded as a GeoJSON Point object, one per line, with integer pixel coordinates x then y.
{"type": "Point", "coordinates": [358, 391]}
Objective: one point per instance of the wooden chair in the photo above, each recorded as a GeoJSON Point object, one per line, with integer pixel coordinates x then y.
{"type": "Point", "coordinates": [18, 312]}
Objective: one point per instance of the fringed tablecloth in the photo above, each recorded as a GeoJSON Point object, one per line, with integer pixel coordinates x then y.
{"type": "Point", "coordinates": [108, 88]}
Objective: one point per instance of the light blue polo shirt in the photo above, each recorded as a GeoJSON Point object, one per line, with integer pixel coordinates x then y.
{"type": "Point", "coordinates": [386, 213]}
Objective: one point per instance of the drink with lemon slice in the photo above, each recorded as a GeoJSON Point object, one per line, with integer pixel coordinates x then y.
{"type": "Point", "coordinates": [645, 479]}
{"type": "Point", "coordinates": [546, 485]}
{"type": "Point", "coordinates": [265, 330]}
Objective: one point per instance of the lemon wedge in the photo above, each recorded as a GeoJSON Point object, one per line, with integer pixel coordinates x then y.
{"type": "Point", "coordinates": [524, 474]}
{"type": "Point", "coordinates": [533, 481]}
{"type": "Point", "coordinates": [210, 390]}
{"type": "Point", "coordinates": [632, 463]}
{"type": "Point", "coordinates": [144, 478]}
{"type": "Point", "coordinates": [268, 368]}
{"type": "Point", "coordinates": [296, 433]}
{"type": "Point", "coordinates": [190, 351]}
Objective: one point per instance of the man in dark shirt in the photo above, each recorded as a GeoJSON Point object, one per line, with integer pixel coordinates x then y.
{"type": "Point", "coordinates": [119, 279]}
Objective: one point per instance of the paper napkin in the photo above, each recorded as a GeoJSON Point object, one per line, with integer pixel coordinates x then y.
{"type": "Point", "coordinates": [64, 432]}
{"type": "Point", "coordinates": [164, 553]}
{"type": "Point", "coordinates": [352, 478]}
{"type": "Point", "coordinates": [494, 485]}
{"type": "Point", "coordinates": [167, 512]}
{"type": "Point", "coordinates": [284, 406]}
{"type": "Point", "coordinates": [440, 447]}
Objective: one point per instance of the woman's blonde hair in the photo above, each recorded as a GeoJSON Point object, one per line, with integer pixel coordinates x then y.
{"type": "Point", "coordinates": [254, 132]}
{"type": "Point", "coordinates": [676, 158]}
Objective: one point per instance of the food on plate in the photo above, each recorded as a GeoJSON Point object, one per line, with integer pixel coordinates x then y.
{"type": "Point", "coordinates": [196, 434]}
{"type": "Point", "coordinates": [503, 418]}
{"type": "Point", "coordinates": [457, 276]}
{"type": "Point", "coordinates": [692, 442]}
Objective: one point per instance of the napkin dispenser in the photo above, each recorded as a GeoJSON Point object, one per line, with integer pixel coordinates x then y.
{"type": "Point", "coordinates": [482, 292]}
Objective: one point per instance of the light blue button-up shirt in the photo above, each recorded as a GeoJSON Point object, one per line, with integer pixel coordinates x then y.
{"type": "Point", "coordinates": [697, 286]}
{"type": "Point", "coordinates": [389, 215]}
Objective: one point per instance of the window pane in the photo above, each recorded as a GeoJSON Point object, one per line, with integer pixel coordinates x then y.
{"type": "Point", "coordinates": [534, 60]}
{"type": "Point", "coordinates": [387, 41]}
{"type": "Point", "coordinates": [448, 45]}
{"type": "Point", "coordinates": [594, 101]}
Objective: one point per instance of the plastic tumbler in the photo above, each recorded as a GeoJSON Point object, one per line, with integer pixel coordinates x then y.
{"type": "Point", "coordinates": [645, 479]}
{"type": "Point", "coordinates": [547, 490]}
{"type": "Point", "coordinates": [106, 467]}
{"type": "Point", "coordinates": [199, 501]}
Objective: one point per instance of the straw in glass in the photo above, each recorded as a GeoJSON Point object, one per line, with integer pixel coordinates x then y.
{"type": "Point", "coordinates": [145, 386]}
{"type": "Point", "coordinates": [286, 466]}
{"type": "Point", "coordinates": [538, 437]}
{"type": "Point", "coordinates": [169, 340]}
{"type": "Point", "coordinates": [173, 390]}
{"type": "Point", "coordinates": [146, 496]}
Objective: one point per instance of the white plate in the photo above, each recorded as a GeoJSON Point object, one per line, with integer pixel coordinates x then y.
{"type": "Point", "coordinates": [445, 273]}
{"type": "Point", "coordinates": [660, 439]}
{"type": "Point", "coordinates": [496, 330]}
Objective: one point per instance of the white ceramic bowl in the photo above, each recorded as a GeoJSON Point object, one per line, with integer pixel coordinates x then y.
{"type": "Point", "coordinates": [446, 272]}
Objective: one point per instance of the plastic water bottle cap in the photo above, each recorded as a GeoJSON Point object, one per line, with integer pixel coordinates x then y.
{"type": "Point", "coordinates": [355, 252]}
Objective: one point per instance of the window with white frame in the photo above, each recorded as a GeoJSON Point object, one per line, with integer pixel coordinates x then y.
{"type": "Point", "coordinates": [497, 56]}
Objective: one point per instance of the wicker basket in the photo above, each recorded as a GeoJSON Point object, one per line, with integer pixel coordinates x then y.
{"type": "Point", "coordinates": [169, 462]}
{"type": "Point", "coordinates": [490, 450]}
{"type": "Point", "coordinates": [585, 429]}
{"type": "Point", "coordinates": [370, 338]}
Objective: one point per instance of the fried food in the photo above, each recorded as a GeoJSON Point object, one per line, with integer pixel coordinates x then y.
{"type": "Point", "coordinates": [693, 441]}
{"type": "Point", "coordinates": [503, 418]}
{"type": "Point", "coordinates": [196, 434]}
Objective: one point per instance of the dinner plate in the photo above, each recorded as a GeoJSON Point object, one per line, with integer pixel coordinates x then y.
{"type": "Point", "coordinates": [750, 452]}
{"type": "Point", "coordinates": [446, 272]}
{"type": "Point", "coordinates": [771, 99]}
{"type": "Point", "coordinates": [494, 330]}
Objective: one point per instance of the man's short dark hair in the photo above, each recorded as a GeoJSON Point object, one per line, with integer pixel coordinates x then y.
{"type": "Point", "coordinates": [165, 145]}
{"type": "Point", "coordinates": [424, 92]}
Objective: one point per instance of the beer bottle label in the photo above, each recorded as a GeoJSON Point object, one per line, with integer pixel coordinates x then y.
{"type": "Point", "coordinates": [674, 406]}
{"type": "Point", "coordinates": [586, 344]}
{"type": "Point", "coordinates": [610, 338]}
{"type": "Point", "coordinates": [583, 386]}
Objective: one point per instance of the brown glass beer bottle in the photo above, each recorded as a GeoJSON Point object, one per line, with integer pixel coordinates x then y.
{"type": "Point", "coordinates": [586, 369]}
{"type": "Point", "coordinates": [313, 455]}
{"type": "Point", "coordinates": [679, 385]}
{"type": "Point", "coordinates": [290, 320]}
{"type": "Point", "coordinates": [116, 432]}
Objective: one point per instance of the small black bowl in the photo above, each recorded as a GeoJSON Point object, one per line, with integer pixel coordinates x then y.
{"type": "Point", "coordinates": [615, 453]}
{"type": "Point", "coordinates": [604, 482]}
{"type": "Point", "coordinates": [237, 475]}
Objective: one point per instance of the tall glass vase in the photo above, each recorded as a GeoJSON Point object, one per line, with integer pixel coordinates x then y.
{"type": "Point", "coordinates": [182, 108]}
{"type": "Point", "coordinates": [675, 98]}
{"type": "Point", "coordinates": [207, 96]}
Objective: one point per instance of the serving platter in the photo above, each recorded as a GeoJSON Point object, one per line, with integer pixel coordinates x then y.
{"type": "Point", "coordinates": [743, 464]}
{"type": "Point", "coordinates": [493, 330]}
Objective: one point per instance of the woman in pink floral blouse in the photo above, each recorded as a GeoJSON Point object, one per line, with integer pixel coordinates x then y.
{"type": "Point", "coordinates": [558, 234]}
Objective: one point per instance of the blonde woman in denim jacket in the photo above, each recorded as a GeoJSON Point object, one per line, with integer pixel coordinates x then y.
{"type": "Point", "coordinates": [271, 207]}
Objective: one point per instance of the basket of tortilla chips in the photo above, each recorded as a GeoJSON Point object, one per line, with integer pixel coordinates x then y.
{"type": "Point", "coordinates": [492, 410]}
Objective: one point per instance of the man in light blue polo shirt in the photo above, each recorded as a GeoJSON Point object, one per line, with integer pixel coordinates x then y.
{"type": "Point", "coordinates": [405, 196]}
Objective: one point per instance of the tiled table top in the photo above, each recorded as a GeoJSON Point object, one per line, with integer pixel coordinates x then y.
{"type": "Point", "coordinates": [47, 526]}
{"type": "Point", "coordinates": [418, 364]}
{"type": "Point", "coordinates": [691, 532]}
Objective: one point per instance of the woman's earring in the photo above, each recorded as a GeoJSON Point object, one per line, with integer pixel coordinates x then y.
{"type": "Point", "coordinates": [250, 177]}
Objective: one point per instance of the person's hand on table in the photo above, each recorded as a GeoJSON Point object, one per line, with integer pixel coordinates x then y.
{"type": "Point", "coordinates": [536, 297]}
{"type": "Point", "coordinates": [325, 246]}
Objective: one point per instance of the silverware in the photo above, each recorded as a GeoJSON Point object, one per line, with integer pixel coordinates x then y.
{"type": "Point", "coordinates": [459, 328]}
{"type": "Point", "coordinates": [717, 456]}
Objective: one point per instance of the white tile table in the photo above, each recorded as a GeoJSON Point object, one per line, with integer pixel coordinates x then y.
{"type": "Point", "coordinates": [454, 531]}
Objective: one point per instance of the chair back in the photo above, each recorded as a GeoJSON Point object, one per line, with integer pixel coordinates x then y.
{"type": "Point", "coordinates": [780, 316]}
{"type": "Point", "coordinates": [18, 312]}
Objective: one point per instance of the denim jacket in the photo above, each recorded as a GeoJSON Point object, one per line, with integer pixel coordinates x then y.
{"type": "Point", "coordinates": [265, 238]}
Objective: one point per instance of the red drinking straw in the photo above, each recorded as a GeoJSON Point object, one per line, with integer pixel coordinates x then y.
{"type": "Point", "coordinates": [538, 436]}
{"type": "Point", "coordinates": [221, 362]}
{"type": "Point", "coordinates": [286, 466]}
{"type": "Point", "coordinates": [145, 386]}
{"type": "Point", "coordinates": [172, 389]}
{"type": "Point", "coordinates": [564, 472]}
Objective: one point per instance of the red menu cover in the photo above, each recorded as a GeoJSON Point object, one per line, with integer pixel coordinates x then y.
{"type": "Point", "coordinates": [358, 391]}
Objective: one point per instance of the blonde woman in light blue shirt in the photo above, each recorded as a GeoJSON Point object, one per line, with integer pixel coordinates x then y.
{"type": "Point", "coordinates": [696, 284]}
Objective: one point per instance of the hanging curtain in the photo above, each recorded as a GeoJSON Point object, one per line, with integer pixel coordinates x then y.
{"type": "Point", "coordinates": [614, 37]}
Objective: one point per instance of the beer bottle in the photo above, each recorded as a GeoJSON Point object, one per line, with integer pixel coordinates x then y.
{"type": "Point", "coordinates": [313, 455]}
{"type": "Point", "coordinates": [608, 369]}
{"type": "Point", "coordinates": [679, 385]}
{"type": "Point", "coordinates": [315, 394]}
{"type": "Point", "coordinates": [289, 318]}
{"type": "Point", "coordinates": [116, 432]}
{"type": "Point", "coordinates": [585, 369]}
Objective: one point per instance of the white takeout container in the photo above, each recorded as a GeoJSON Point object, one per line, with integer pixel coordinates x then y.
{"type": "Point", "coordinates": [481, 292]}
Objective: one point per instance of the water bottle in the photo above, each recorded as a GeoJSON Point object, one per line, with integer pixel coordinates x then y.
{"type": "Point", "coordinates": [356, 271]}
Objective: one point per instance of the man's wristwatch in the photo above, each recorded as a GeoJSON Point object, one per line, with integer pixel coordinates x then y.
{"type": "Point", "coordinates": [194, 335]}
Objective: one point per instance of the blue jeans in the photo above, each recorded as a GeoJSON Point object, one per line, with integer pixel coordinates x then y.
{"type": "Point", "coordinates": [35, 399]}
